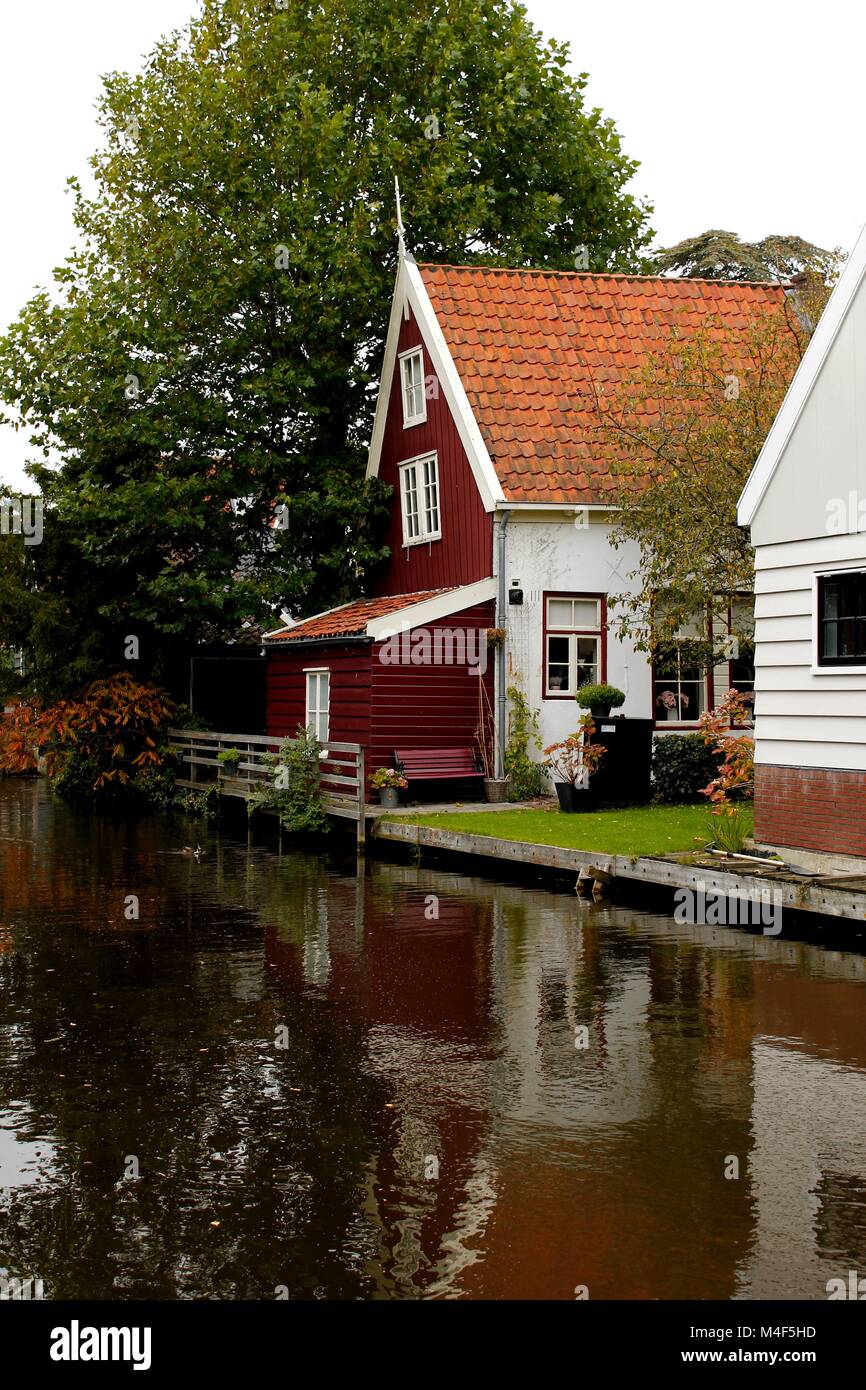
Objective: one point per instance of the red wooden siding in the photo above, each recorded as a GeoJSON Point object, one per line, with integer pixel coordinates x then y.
{"type": "Point", "coordinates": [349, 665]}
{"type": "Point", "coordinates": [384, 706]}
{"type": "Point", "coordinates": [465, 552]}
{"type": "Point", "coordinates": [428, 706]}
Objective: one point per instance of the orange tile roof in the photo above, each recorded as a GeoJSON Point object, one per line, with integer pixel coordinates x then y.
{"type": "Point", "coordinates": [529, 344]}
{"type": "Point", "coordinates": [352, 618]}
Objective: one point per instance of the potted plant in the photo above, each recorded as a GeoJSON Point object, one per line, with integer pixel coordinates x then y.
{"type": "Point", "coordinates": [495, 788]}
{"type": "Point", "coordinates": [228, 759]}
{"type": "Point", "coordinates": [573, 761]}
{"type": "Point", "coordinates": [600, 699]}
{"type": "Point", "coordinates": [668, 701]}
{"type": "Point", "coordinates": [388, 782]}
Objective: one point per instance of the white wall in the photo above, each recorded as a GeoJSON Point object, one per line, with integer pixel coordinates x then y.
{"type": "Point", "coordinates": [804, 718]}
{"type": "Point", "coordinates": [812, 517]}
{"type": "Point", "coordinates": [825, 457]}
{"type": "Point", "coordinates": [547, 553]}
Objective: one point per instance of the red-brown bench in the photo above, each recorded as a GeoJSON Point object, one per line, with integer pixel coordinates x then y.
{"type": "Point", "coordinates": [429, 764]}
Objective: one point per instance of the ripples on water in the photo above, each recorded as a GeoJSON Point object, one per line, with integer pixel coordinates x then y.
{"type": "Point", "coordinates": [414, 1045]}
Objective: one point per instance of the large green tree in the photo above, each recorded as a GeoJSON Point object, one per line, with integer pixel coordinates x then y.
{"type": "Point", "coordinates": [210, 348]}
{"type": "Point", "coordinates": [719, 255]}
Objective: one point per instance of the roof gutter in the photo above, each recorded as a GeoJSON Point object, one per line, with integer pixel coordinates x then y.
{"type": "Point", "coordinates": [562, 507]}
{"type": "Point", "coordinates": [335, 638]}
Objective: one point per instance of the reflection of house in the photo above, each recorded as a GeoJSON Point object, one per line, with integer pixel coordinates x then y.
{"type": "Point", "coordinates": [808, 1172]}
{"type": "Point", "coordinates": [806, 505]}
{"type": "Point", "coordinates": [559, 1166]}
{"type": "Point", "coordinates": [501, 516]}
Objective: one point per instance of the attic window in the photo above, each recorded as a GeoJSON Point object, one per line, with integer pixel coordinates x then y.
{"type": "Point", "coordinates": [412, 378]}
{"type": "Point", "coordinates": [419, 500]}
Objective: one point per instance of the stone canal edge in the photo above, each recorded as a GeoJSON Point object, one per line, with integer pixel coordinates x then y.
{"type": "Point", "coordinates": [838, 896]}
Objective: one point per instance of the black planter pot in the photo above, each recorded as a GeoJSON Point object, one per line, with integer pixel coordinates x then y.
{"type": "Point", "coordinates": [600, 711]}
{"type": "Point", "coordinates": [572, 798]}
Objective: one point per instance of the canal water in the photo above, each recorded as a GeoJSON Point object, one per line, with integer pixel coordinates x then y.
{"type": "Point", "coordinates": [282, 1080]}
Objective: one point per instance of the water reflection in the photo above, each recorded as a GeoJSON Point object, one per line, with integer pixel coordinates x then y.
{"type": "Point", "coordinates": [431, 1129]}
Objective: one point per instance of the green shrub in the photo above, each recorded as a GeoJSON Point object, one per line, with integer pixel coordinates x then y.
{"type": "Point", "coordinates": [525, 777]}
{"type": "Point", "coordinates": [294, 790]}
{"type": "Point", "coordinates": [683, 765]}
{"type": "Point", "coordinates": [729, 828]}
{"type": "Point", "coordinates": [600, 697]}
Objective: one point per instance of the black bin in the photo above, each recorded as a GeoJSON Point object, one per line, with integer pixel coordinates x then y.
{"type": "Point", "coordinates": [623, 777]}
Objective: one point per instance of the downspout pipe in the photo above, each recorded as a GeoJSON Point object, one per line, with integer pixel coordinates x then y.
{"type": "Point", "coordinates": [501, 596]}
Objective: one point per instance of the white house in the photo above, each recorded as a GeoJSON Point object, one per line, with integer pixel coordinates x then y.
{"type": "Point", "coordinates": [805, 502]}
{"type": "Point", "coordinates": [503, 504]}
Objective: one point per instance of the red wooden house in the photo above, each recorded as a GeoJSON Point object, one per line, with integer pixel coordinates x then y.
{"type": "Point", "coordinates": [501, 515]}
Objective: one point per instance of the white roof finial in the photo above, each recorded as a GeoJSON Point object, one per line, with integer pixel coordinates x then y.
{"type": "Point", "coordinates": [401, 241]}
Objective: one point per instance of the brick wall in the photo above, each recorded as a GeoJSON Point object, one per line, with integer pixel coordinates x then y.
{"type": "Point", "coordinates": [811, 808]}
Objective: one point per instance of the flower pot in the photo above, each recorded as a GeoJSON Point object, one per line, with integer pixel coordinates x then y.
{"type": "Point", "coordinates": [673, 713]}
{"type": "Point", "coordinates": [389, 797]}
{"type": "Point", "coordinates": [574, 798]}
{"type": "Point", "coordinates": [495, 788]}
{"type": "Point", "coordinates": [600, 711]}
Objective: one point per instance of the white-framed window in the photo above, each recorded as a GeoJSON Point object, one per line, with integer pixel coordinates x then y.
{"type": "Point", "coordinates": [318, 702]}
{"type": "Point", "coordinates": [419, 499]}
{"type": "Point", "coordinates": [412, 381]}
{"type": "Point", "coordinates": [573, 643]}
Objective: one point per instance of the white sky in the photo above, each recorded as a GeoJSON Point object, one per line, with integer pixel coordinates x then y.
{"type": "Point", "coordinates": [746, 115]}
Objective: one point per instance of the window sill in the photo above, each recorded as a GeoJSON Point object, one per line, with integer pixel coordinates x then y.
{"type": "Point", "coordinates": [838, 670]}
{"type": "Point", "coordinates": [422, 540]}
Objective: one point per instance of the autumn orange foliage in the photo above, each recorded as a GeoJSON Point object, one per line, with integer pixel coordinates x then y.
{"type": "Point", "coordinates": [736, 778]}
{"type": "Point", "coordinates": [114, 726]}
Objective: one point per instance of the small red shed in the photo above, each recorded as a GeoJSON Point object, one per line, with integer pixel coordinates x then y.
{"type": "Point", "coordinates": [384, 672]}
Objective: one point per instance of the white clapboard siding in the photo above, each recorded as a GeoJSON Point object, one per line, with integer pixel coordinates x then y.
{"type": "Point", "coordinates": [799, 678]}
{"type": "Point", "coordinates": [781, 603]}
{"type": "Point", "coordinates": [801, 556]}
{"type": "Point", "coordinates": [802, 753]}
{"type": "Point", "coordinates": [835, 704]}
{"type": "Point", "coordinates": [830, 730]}
{"type": "Point", "coordinates": [803, 718]}
{"type": "Point", "coordinates": [781, 653]}
{"type": "Point", "coordinates": [784, 627]}
{"type": "Point", "coordinates": [805, 504]}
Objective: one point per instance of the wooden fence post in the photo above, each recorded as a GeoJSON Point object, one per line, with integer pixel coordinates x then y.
{"type": "Point", "coordinates": [362, 800]}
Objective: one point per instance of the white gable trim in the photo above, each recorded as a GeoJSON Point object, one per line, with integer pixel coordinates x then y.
{"type": "Point", "coordinates": [801, 387]}
{"type": "Point", "coordinates": [410, 289]}
{"type": "Point", "coordinates": [431, 609]}
{"type": "Point", "coordinates": [399, 303]}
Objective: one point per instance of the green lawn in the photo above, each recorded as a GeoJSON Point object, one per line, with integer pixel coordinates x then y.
{"type": "Point", "coordinates": [635, 831]}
